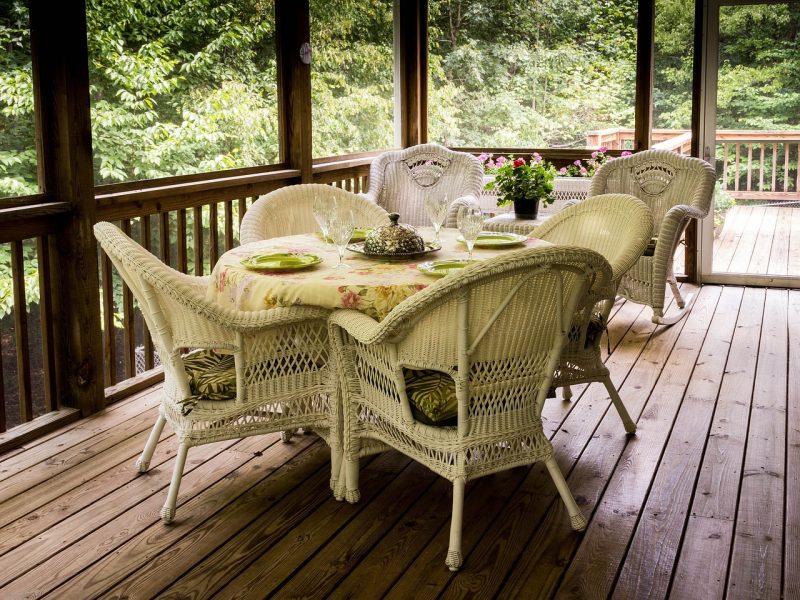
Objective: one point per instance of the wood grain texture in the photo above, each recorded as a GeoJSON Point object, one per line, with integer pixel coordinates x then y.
{"type": "Point", "coordinates": [791, 566]}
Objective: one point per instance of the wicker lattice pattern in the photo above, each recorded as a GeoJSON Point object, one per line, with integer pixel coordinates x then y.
{"type": "Point", "coordinates": [497, 328]}
{"type": "Point", "coordinates": [283, 380]}
{"type": "Point", "coordinates": [676, 188]}
{"type": "Point", "coordinates": [617, 226]}
{"type": "Point", "coordinates": [399, 180]}
{"type": "Point", "coordinates": [288, 211]}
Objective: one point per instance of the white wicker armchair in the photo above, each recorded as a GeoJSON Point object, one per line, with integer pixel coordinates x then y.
{"type": "Point", "coordinates": [399, 180]}
{"type": "Point", "coordinates": [288, 211]}
{"type": "Point", "coordinates": [618, 227]}
{"type": "Point", "coordinates": [676, 188]}
{"type": "Point", "coordinates": [280, 356]}
{"type": "Point", "coordinates": [494, 332]}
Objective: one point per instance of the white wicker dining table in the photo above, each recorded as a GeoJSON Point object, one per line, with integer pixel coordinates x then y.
{"type": "Point", "coordinates": [371, 286]}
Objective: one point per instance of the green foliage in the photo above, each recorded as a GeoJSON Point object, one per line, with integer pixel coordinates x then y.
{"type": "Point", "coordinates": [30, 275]}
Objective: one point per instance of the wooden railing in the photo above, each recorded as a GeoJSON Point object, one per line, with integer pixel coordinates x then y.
{"type": "Point", "coordinates": [752, 165]}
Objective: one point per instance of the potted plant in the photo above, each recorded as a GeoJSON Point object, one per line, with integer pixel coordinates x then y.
{"type": "Point", "coordinates": [572, 181]}
{"type": "Point", "coordinates": [525, 183]}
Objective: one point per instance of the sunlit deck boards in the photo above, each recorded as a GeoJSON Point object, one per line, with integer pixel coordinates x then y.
{"type": "Point", "coordinates": [694, 506]}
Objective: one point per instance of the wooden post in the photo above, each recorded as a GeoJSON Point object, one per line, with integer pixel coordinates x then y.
{"type": "Point", "coordinates": [64, 145]}
{"type": "Point", "coordinates": [292, 38]}
{"type": "Point", "coordinates": [645, 49]}
{"type": "Point", "coordinates": [413, 60]}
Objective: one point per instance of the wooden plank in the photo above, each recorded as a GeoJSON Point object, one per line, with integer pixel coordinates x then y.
{"type": "Point", "coordinates": [22, 434]}
{"type": "Point", "coordinates": [774, 165]}
{"type": "Point", "coordinates": [744, 250]}
{"type": "Point", "coordinates": [725, 166]}
{"type": "Point", "coordinates": [791, 567]}
{"type": "Point", "coordinates": [228, 207]}
{"type": "Point", "coordinates": [779, 254]}
{"type": "Point", "coordinates": [288, 533]}
{"type": "Point", "coordinates": [736, 176]}
{"type": "Point", "coordinates": [550, 546]}
{"type": "Point", "coordinates": [761, 169]}
{"type": "Point", "coordinates": [736, 220]}
{"type": "Point", "coordinates": [134, 384]}
{"type": "Point", "coordinates": [616, 516]}
{"type": "Point", "coordinates": [757, 558]}
{"type": "Point", "coordinates": [246, 484]}
{"type": "Point", "coordinates": [213, 235]}
{"type": "Point", "coordinates": [109, 331]}
{"type": "Point", "coordinates": [749, 166]}
{"type": "Point", "coordinates": [147, 343]}
{"type": "Point", "coordinates": [762, 248]}
{"type": "Point", "coordinates": [708, 535]}
{"type": "Point", "coordinates": [46, 326]}
{"type": "Point", "coordinates": [646, 574]}
{"type": "Point", "coordinates": [102, 527]}
{"type": "Point", "coordinates": [21, 333]}
{"type": "Point", "coordinates": [794, 244]}
{"type": "Point", "coordinates": [182, 248]}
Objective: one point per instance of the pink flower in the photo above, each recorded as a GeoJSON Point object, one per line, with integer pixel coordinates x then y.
{"type": "Point", "coordinates": [594, 154]}
{"type": "Point", "coordinates": [604, 149]}
{"type": "Point", "coordinates": [518, 162]}
{"type": "Point", "coordinates": [428, 163]}
{"type": "Point", "coordinates": [562, 171]}
{"type": "Point", "coordinates": [583, 171]}
{"type": "Point", "coordinates": [483, 157]}
{"type": "Point", "coordinates": [537, 157]}
{"type": "Point", "coordinates": [350, 300]}
{"type": "Point", "coordinates": [500, 161]}
{"type": "Point", "coordinates": [626, 153]}
{"type": "Point", "coordinates": [577, 163]}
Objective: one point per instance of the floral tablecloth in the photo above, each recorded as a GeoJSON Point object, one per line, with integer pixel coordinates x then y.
{"type": "Point", "coordinates": [370, 286]}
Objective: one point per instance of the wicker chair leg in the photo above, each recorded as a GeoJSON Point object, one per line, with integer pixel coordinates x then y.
{"type": "Point", "coordinates": [567, 393]}
{"type": "Point", "coordinates": [143, 462]}
{"type": "Point", "coordinates": [630, 426]}
{"type": "Point", "coordinates": [673, 284]}
{"type": "Point", "coordinates": [168, 511]}
{"type": "Point", "coordinates": [685, 304]}
{"type": "Point", "coordinates": [576, 518]}
{"type": "Point", "coordinates": [286, 435]}
{"type": "Point", "coordinates": [454, 557]}
{"type": "Point", "coordinates": [336, 468]}
{"type": "Point", "coordinates": [352, 494]}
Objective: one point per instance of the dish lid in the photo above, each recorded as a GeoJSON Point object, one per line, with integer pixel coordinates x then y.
{"type": "Point", "coordinates": [394, 238]}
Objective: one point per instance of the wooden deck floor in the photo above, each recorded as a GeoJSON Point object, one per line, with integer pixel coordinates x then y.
{"type": "Point", "coordinates": [701, 503]}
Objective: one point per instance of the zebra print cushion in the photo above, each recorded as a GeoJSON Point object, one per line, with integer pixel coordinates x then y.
{"type": "Point", "coordinates": [212, 376]}
{"type": "Point", "coordinates": [432, 395]}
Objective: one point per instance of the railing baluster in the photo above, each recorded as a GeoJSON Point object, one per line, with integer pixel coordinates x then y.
{"type": "Point", "coordinates": [228, 207]}
{"type": "Point", "coordinates": [128, 320]}
{"type": "Point", "coordinates": [109, 337]}
{"type": "Point", "coordinates": [148, 341]}
{"type": "Point", "coordinates": [774, 165]}
{"type": "Point", "coordinates": [213, 236]}
{"type": "Point", "coordinates": [761, 169]}
{"type": "Point", "coordinates": [198, 240]}
{"type": "Point", "coordinates": [163, 237]}
{"type": "Point", "coordinates": [46, 324]}
{"type": "Point", "coordinates": [183, 260]}
{"type": "Point", "coordinates": [21, 332]}
{"type": "Point", "coordinates": [242, 210]}
{"type": "Point", "coordinates": [797, 175]}
{"type": "Point", "coordinates": [724, 166]}
{"type": "Point", "coordinates": [749, 167]}
{"type": "Point", "coordinates": [786, 167]}
{"type": "Point", "coordinates": [736, 179]}
{"type": "Point", "coordinates": [2, 397]}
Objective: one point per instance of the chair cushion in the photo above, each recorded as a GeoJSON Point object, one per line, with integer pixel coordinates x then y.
{"type": "Point", "coordinates": [212, 376]}
{"type": "Point", "coordinates": [432, 395]}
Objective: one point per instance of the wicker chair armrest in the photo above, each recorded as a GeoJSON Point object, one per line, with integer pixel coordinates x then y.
{"type": "Point", "coordinates": [682, 211]}
{"type": "Point", "coordinates": [452, 212]}
{"type": "Point", "coordinates": [362, 327]}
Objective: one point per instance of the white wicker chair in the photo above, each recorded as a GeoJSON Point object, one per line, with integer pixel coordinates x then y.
{"type": "Point", "coordinates": [280, 355]}
{"type": "Point", "coordinates": [617, 226]}
{"type": "Point", "coordinates": [497, 329]}
{"type": "Point", "coordinates": [676, 188]}
{"type": "Point", "coordinates": [399, 180]}
{"type": "Point", "coordinates": [288, 211]}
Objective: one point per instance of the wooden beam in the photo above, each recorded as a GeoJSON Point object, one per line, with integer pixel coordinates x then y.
{"type": "Point", "coordinates": [412, 57]}
{"type": "Point", "coordinates": [292, 38]}
{"type": "Point", "coordinates": [645, 49]}
{"type": "Point", "coordinates": [63, 127]}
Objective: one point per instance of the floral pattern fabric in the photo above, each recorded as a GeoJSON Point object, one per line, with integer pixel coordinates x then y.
{"type": "Point", "coordinates": [370, 286]}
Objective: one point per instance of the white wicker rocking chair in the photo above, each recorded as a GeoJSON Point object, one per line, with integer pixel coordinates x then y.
{"type": "Point", "coordinates": [478, 328]}
{"type": "Point", "coordinates": [618, 227]}
{"type": "Point", "coordinates": [282, 379]}
{"type": "Point", "coordinates": [676, 188]}
{"type": "Point", "coordinates": [288, 211]}
{"type": "Point", "coordinates": [399, 180]}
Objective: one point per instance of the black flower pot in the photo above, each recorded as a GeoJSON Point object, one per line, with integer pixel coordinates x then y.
{"type": "Point", "coordinates": [526, 208]}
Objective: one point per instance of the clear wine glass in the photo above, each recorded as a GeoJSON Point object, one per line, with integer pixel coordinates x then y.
{"type": "Point", "coordinates": [324, 209]}
{"type": "Point", "coordinates": [340, 229]}
{"type": "Point", "coordinates": [436, 206]}
{"type": "Point", "coordinates": [470, 223]}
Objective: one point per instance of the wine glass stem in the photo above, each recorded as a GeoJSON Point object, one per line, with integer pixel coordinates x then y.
{"type": "Point", "coordinates": [340, 250]}
{"type": "Point", "coordinates": [436, 232]}
{"type": "Point", "coordinates": [470, 244]}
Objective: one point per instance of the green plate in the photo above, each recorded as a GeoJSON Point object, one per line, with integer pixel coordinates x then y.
{"type": "Point", "coordinates": [359, 234]}
{"type": "Point", "coordinates": [440, 268]}
{"type": "Point", "coordinates": [490, 239]}
{"type": "Point", "coordinates": [280, 261]}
